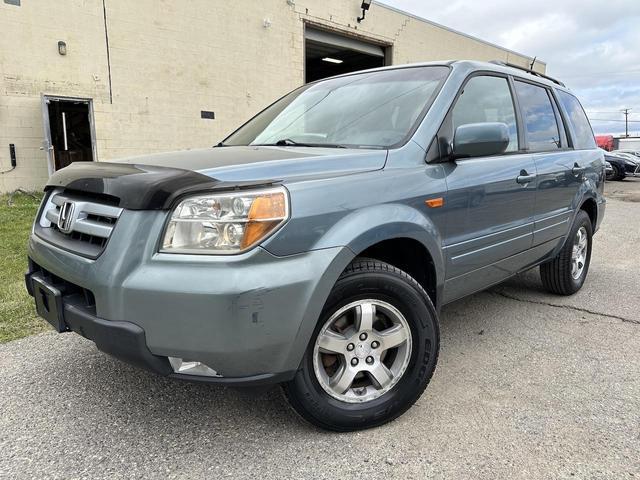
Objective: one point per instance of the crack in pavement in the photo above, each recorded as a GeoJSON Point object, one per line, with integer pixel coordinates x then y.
{"type": "Point", "coordinates": [568, 307]}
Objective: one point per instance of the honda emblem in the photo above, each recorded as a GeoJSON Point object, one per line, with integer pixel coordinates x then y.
{"type": "Point", "coordinates": [65, 219]}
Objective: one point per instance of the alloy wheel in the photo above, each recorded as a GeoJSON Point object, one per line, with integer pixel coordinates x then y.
{"type": "Point", "coordinates": [362, 351]}
{"type": "Point", "coordinates": [579, 253]}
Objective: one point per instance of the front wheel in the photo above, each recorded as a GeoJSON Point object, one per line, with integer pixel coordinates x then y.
{"type": "Point", "coordinates": [373, 352]}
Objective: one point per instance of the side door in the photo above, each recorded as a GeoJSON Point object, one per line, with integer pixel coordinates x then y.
{"type": "Point", "coordinates": [559, 167]}
{"type": "Point", "coordinates": [490, 200]}
{"type": "Point", "coordinates": [588, 156]}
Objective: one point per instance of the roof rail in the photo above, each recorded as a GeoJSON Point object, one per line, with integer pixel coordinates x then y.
{"type": "Point", "coordinates": [528, 70]}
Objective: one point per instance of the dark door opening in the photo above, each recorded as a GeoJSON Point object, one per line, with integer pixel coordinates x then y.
{"type": "Point", "coordinates": [70, 138]}
{"type": "Point", "coordinates": [328, 54]}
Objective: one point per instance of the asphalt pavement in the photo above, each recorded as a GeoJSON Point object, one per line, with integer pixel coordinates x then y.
{"type": "Point", "coordinates": [529, 385]}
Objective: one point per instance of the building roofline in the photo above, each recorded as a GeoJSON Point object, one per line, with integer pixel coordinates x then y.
{"type": "Point", "coordinates": [452, 30]}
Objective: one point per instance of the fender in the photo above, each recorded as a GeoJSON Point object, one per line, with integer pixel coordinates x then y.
{"type": "Point", "coordinates": [366, 227]}
{"type": "Point", "coordinates": [356, 232]}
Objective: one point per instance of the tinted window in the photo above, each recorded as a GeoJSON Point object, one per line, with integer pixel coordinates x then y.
{"type": "Point", "coordinates": [539, 118]}
{"type": "Point", "coordinates": [582, 129]}
{"type": "Point", "coordinates": [375, 109]}
{"type": "Point", "coordinates": [487, 99]}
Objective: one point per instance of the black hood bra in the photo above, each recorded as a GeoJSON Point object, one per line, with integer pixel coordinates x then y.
{"type": "Point", "coordinates": [139, 187]}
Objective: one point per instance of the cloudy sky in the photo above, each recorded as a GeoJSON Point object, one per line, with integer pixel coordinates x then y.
{"type": "Point", "coordinates": [592, 46]}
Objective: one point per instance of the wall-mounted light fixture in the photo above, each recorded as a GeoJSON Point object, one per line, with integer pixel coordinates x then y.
{"type": "Point", "coordinates": [62, 48]}
{"type": "Point", "coordinates": [365, 6]}
{"type": "Point", "coordinates": [331, 60]}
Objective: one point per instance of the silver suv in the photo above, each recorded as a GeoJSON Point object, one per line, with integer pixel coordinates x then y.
{"type": "Point", "coordinates": [315, 246]}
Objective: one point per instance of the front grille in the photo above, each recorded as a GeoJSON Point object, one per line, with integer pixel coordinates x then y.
{"type": "Point", "coordinates": [86, 225]}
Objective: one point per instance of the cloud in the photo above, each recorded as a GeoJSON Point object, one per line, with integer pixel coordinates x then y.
{"type": "Point", "coordinates": [592, 46]}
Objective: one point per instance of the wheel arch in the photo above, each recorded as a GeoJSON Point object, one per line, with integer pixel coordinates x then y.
{"type": "Point", "coordinates": [590, 206]}
{"type": "Point", "coordinates": [410, 256]}
{"type": "Point", "coordinates": [378, 231]}
{"type": "Point", "coordinates": [399, 235]}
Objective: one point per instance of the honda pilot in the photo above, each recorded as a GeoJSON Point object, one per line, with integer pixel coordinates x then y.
{"type": "Point", "coordinates": [315, 246]}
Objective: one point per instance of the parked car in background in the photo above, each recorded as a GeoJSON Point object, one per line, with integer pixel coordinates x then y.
{"type": "Point", "coordinates": [633, 151]}
{"type": "Point", "coordinates": [628, 152]}
{"type": "Point", "coordinates": [626, 163]}
{"type": "Point", "coordinates": [315, 246]}
{"type": "Point", "coordinates": [608, 169]}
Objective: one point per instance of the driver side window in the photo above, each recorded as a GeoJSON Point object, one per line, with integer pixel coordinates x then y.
{"type": "Point", "coordinates": [487, 99]}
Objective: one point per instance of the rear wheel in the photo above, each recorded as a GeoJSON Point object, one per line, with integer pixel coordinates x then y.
{"type": "Point", "coordinates": [373, 352]}
{"type": "Point", "coordinates": [566, 273]}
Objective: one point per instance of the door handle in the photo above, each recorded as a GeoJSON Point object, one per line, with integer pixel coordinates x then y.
{"type": "Point", "coordinates": [524, 178]}
{"type": "Point", "coordinates": [577, 170]}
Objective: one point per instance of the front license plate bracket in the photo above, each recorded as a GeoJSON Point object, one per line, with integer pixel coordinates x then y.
{"type": "Point", "coordinates": [49, 303]}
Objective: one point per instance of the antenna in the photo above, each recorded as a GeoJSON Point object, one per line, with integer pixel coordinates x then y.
{"type": "Point", "coordinates": [533, 62]}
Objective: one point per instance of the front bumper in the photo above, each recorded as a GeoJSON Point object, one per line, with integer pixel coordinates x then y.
{"type": "Point", "coordinates": [124, 340]}
{"type": "Point", "coordinates": [249, 317]}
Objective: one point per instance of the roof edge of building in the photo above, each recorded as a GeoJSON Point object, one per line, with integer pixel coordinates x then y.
{"type": "Point", "coordinates": [452, 30]}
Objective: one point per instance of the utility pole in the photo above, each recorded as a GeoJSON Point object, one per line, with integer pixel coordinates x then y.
{"type": "Point", "coordinates": [626, 121]}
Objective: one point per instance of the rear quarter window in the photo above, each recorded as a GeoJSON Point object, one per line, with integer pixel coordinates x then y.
{"type": "Point", "coordinates": [582, 132]}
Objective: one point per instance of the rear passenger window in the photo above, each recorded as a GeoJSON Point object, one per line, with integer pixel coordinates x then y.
{"type": "Point", "coordinates": [582, 129]}
{"type": "Point", "coordinates": [539, 118]}
{"type": "Point", "coordinates": [487, 99]}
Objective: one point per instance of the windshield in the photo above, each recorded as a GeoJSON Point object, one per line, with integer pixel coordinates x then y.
{"type": "Point", "coordinates": [376, 109]}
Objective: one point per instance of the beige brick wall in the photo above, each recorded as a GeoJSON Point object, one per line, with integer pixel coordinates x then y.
{"type": "Point", "coordinates": [172, 59]}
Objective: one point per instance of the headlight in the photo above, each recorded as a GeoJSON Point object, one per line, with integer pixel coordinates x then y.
{"type": "Point", "coordinates": [225, 223]}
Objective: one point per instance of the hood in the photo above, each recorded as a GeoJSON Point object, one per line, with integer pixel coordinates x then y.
{"type": "Point", "coordinates": [247, 163]}
{"type": "Point", "coordinates": [154, 182]}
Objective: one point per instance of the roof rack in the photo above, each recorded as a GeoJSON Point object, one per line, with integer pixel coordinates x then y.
{"type": "Point", "coordinates": [528, 70]}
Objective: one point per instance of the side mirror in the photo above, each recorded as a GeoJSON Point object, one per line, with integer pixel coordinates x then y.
{"type": "Point", "coordinates": [480, 139]}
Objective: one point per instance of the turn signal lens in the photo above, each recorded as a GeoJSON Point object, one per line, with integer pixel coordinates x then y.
{"type": "Point", "coordinates": [225, 223]}
{"type": "Point", "coordinates": [266, 212]}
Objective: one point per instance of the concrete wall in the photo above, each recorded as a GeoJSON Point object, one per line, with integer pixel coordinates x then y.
{"type": "Point", "coordinates": [172, 59]}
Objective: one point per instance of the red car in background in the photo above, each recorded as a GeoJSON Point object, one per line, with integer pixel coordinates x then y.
{"type": "Point", "coordinates": [605, 142]}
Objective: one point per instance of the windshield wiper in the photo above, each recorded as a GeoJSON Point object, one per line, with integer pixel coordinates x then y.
{"type": "Point", "coordinates": [287, 142]}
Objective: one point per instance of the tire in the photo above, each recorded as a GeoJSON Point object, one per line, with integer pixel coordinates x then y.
{"type": "Point", "coordinates": [616, 175]}
{"type": "Point", "coordinates": [395, 300]}
{"type": "Point", "coordinates": [559, 276]}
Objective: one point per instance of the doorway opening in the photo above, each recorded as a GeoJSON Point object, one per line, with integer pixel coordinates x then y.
{"type": "Point", "coordinates": [69, 133]}
{"type": "Point", "coordinates": [328, 54]}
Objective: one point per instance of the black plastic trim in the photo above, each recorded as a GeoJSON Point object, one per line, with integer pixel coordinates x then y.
{"type": "Point", "coordinates": [252, 381]}
{"type": "Point", "coordinates": [139, 187]}
{"type": "Point", "coordinates": [123, 340]}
